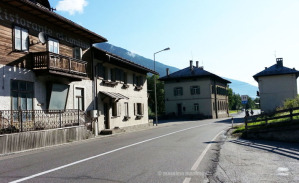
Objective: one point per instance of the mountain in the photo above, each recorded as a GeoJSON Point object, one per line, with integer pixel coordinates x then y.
{"type": "Point", "coordinates": [239, 87]}
{"type": "Point", "coordinates": [149, 63]}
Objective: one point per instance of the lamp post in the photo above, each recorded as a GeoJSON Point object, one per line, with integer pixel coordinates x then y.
{"type": "Point", "coordinates": [156, 107]}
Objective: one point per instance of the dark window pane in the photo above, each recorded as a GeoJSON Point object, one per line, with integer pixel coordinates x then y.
{"type": "Point", "coordinates": [22, 86]}
{"type": "Point", "coordinates": [14, 85]}
{"type": "Point", "coordinates": [29, 86]}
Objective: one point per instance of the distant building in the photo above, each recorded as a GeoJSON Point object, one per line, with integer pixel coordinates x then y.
{"type": "Point", "coordinates": [196, 93]}
{"type": "Point", "coordinates": [276, 84]}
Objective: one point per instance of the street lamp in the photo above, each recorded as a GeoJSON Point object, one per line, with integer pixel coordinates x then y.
{"type": "Point", "coordinates": [156, 107]}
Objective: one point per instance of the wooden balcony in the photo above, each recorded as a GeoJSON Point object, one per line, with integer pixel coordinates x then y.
{"type": "Point", "coordinates": [52, 63]}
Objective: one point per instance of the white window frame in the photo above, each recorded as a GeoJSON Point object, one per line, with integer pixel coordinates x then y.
{"type": "Point", "coordinates": [52, 43]}
{"type": "Point", "coordinates": [21, 36]}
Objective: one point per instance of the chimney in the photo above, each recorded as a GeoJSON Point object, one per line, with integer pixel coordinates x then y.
{"type": "Point", "coordinates": [191, 65]}
{"type": "Point", "coordinates": [279, 62]}
{"type": "Point", "coordinates": [167, 71]}
{"type": "Point", "coordinates": [196, 64]}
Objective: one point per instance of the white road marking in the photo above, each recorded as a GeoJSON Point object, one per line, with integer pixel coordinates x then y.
{"type": "Point", "coordinates": [187, 180]}
{"type": "Point", "coordinates": [102, 154]}
{"type": "Point", "coordinates": [200, 158]}
{"type": "Point", "coordinates": [196, 164]}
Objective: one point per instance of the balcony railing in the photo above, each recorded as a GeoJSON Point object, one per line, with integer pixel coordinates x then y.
{"type": "Point", "coordinates": [13, 121]}
{"type": "Point", "coordinates": [59, 64]}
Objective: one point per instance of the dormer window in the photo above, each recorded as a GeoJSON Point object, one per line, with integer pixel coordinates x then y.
{"type": "Point", "coordinates": [21, 39]}
{"type": "Point", "coordinates": [77, 52]}
{"type": "Point", "coordinates": [53, 45]}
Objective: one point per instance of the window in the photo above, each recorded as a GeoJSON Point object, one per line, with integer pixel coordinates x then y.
{"type": "Point", "coordinates": [21, 39]}
{"type": "Point", "coordinates": [125, 78]}
{"type": "Point", "coordinates": [79, 98]}
{"type": "Point", "coordinates": [53, 45]}
{"type": "Point", "coordinates": [126, 109]}
{"type": "Point", "coordinates": [196, 107]}
{"type": "Point", "coordinates": [137, 80]}
{"type": "Point", "coordinates": [221, 91]}
{"type": "Point", "coordinates": [116, 109]}
{"type": "Point", "coordinates": [22, 95]}
{"type": "Point", "coordinates": [178, 91]}
{"type": "Point", "coordinates": [58, 96]}
{"type": "Point", "coordinates": [195, 90]}
{"type": "Point", "coordinates": [139, 109]}
{"type": "Point", "coordinates": [77, 53]}
{"type": "Point", "coordinates": [101, 71]}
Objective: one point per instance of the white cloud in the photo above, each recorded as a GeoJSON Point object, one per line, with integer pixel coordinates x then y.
{"type": "Point", "coordinates": [72, 6]}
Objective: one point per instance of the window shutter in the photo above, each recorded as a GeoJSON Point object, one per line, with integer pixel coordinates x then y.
{"type": "Point", "coordinates": [118, 109]}
{"type": "Point", "coordinates": [125, 78]}
{"type": "Point", "coordinates": [175, 92]}
{"type": "Point", "coordinates": [142, 109]}
{"type": "Point", "coordinates": [134, 79]}
{"type": "Point", "coordinates": [135, 109]}
{"type": "Point", "coordinates": [198, 90]}
{"type": "Point", "coordinates": [181, 91]}
{"type": "Point", "coordinates": [81, 53]}
{"type": "Point", "coordinates": [141, 81]}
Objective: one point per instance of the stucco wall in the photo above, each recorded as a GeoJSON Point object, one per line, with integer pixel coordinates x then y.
{"type": "Point", "coordinates": [275, 89]}
{"type": "Point", "coordinates": [205, 99]}
{"type": "Point", "coordinates": [39, 101]}
{"type": "Point", "coordinates": [130, 92]}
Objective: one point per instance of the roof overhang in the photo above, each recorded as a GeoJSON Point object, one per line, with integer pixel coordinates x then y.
{"type": "Point", "coordinates": [55, 19]}
{"type": "Point", "coordinates": [119, 61]}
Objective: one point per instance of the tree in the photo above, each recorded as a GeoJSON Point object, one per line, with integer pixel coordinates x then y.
{"type": "Point", "coordinates": [160, 95]}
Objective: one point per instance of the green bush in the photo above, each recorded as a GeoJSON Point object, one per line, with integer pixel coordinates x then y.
{"type": "Point", "coordinates": [291, 103]}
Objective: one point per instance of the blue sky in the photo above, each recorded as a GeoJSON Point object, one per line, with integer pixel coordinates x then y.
{"type": "Point", "coordinates": [231, 38]}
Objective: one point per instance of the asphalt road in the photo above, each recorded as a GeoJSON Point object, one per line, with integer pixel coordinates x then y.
{"type": "Point", "coordinates": [172, 152]}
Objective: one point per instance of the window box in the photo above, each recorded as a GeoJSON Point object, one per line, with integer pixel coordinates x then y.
{"type": "Point", "coordinates": [110, 83]}
{"type": "Point", "coordinates": [139, 116]}
{"type": "Point", "coordinates": [126, 118]}
{"type": "Point", "coordinates": [125, 86]}
{"type": "Point", "coordinates": [138, 88]}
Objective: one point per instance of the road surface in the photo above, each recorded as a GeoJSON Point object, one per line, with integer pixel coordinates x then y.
{"type": "Point", "coordinates": [172, 152]}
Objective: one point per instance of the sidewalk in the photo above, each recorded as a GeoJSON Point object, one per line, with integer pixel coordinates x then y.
{"type": "Point", "coordinates": [253, 161]}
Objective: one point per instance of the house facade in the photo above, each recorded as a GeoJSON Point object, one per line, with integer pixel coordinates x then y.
{"type": "Point", "coordinates": [49, 66]}
{"type": "Point", "coordinates": [196, 93]}
{"type": "Point", "coordinates": [122, 91]}
{"type": "Point", "coordinates": [276, 84]}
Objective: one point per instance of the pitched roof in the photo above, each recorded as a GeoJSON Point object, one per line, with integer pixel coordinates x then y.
{"type": "Point", "coordinates": [54, 18]}
{"type": "Point", "coordinates": [119, 61]}
{"type": "Point", "coordinates": [196, 72]}
{"type": "Point", "coordinates": [276, 69]}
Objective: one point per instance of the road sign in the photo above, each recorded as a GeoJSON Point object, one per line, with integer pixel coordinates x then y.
{"type": "Point", "coordinates": [244, 99]}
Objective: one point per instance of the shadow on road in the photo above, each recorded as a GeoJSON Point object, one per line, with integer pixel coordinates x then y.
{"type": "Point", "coordinates": [290, 150]}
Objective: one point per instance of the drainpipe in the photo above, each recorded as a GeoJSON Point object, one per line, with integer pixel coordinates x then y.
{"type": "Point", "coordinates": [95, 90]}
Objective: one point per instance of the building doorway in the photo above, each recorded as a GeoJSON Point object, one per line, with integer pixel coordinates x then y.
{"type": "Point", "coordinates": [179, 109]}
{"type": "Point", "coordinates": [106, 116]}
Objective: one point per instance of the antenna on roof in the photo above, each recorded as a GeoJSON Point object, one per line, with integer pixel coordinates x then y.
{"type": "Point", "coordinates": [275, 54]}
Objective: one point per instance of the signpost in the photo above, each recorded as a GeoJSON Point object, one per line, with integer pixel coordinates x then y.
{"type": "Point", "coordinates": [244, 99]}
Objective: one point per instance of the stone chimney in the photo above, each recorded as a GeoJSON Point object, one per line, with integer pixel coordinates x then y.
{"type": "Point", "coordinates": [191, 65]}
{"type": "Point", "coordinates": [196, 64]}
{"type": "Point", "coordinates": [279, 62]}
{"type": "Point", "coordinates": [167, 71]}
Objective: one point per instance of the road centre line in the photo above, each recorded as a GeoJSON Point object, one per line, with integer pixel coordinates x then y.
{"type": "Point", "coordinates": [102, 154]}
